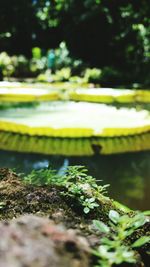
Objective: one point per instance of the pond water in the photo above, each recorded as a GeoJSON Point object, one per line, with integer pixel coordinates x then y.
{"type": "Point", "coordinates": [128, 174]}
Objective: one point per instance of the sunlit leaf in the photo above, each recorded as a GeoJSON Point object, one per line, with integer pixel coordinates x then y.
{"type": "Point", "coordinates": [114, 216]}
{"type": "Point", "coordinates": [141, 241]}
{"type": "Point", "coordinates": [139, 220]}
{"type": "Point", "coordinates": [86, 210]}
{"type": "Point", "coordinates": [146, 212]}
{"type": "Point", "coordinates": [102, 227]}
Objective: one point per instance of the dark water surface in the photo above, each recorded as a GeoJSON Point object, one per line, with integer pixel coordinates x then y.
{"type": "Point", "coordinates": [128, 174]}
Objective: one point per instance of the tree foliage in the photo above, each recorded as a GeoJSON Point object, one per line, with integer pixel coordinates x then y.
{"type": "Point", "coordinates": [101, 32]}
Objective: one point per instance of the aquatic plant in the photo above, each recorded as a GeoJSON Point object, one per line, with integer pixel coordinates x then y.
{"type": "Point", "coordinates": [89, 120]}
{"type": "Point", "coordinates": [110, 95]}
{"type": "Point", "coordinates": [74, 129]}
{"type": "Point", "coordinates": [73, 146]}
{"type": "Point", "coordinates": [115, 247]}
{"type": "Point", "coordinates": [27, 94]}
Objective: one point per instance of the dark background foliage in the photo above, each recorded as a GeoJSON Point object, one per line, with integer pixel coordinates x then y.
{"type": "Point", "coordinates": [112, 35]}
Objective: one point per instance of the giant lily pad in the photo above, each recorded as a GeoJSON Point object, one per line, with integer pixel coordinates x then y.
{"type": "Point", "coordinates": [110, 95]}
{"type": "Point", "coordinates": [70, 128]}
{"type": "Point", "coordinates": [73, 146]}
{"type": "Point", "coordinates": [23, 92]}
{"type": "Point", "coordinates": [27, 94]}
{"type": "Point", "coordinates": [69, 119]}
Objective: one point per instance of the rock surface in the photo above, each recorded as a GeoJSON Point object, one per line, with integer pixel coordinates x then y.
{"type": "Point", "coordinates": [32, 241]}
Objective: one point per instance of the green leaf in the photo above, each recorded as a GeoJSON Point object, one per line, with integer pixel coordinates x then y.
{"type": "Point", "coordinates": [92, 199]}
{"type": "Point", "coordinates": [121, 206]}
{"type": "Point", "coordinates": [2, 204]}
{"type": "Point", "coordinates": [139, 220]}
{"type": "Point", "coordinates": [114, 216]}
{"type": "Point", "coordinates": [141, 241]}
{"type": "Point", "coordinates": [146, 212]}
{"type": "Point", "coordinates": [86, 210]}
{"type": "Point", "coordinates": [102, 227]}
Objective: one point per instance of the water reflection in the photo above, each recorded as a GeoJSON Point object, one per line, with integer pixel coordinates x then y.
{"type": "Point", "coordinates": [128, 174]}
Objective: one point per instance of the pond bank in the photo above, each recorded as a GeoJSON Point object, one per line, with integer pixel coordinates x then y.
{"type": "Point", "coordinates": [18, 198]}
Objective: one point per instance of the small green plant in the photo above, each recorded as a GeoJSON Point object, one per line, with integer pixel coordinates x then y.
{"type": "Point", "coordinates": [78, 174]}
{"type": "Point", "coordinates": [113, 248]}
{"type": "Point", "coordinates": [76, 182]}
{"type": "Point", "coordinates": [83, 187]}
{"type": "Point", "coordinates": [88, 203]}
{"type": "Point", "coordinates": [44, 177]}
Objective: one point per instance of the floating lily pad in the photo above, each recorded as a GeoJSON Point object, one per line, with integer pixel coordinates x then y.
{"type": "Point", "coordinates": [69, 119]}
{"type": "Point", "coordinates": [110, 95]}
{"type": "Point", "coordinates": [70, 128]}
{"type": "Point", "coordinates": [27, 94]}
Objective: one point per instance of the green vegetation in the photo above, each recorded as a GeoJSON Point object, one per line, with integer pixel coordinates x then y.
{"type": "Point", "coordinates": [8, 105]}
{"type": "Point", "coordinates": [44, 177]}
{"type": "Point", "coordinates": [115, 247]}
{"type": "Point", "coordinates": [17, 66]}
{"type": "Point", "coordinates": [21, 66]}
{"type": "Point", "coordinates": [65, 67]}
{"type": "Point", "coordinates": [92, 75]}
{"type": "Point", "coordinates": [115, 237]}
{"type": "Point", "coordinates": [117, 244]}
{"type": "Point", "coordinates": [97, 35]}
{"type": "Point", "coordinates": [77, 184]}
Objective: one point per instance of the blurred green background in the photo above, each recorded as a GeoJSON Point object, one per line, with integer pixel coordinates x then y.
{"type": "Point", "coordinates": [99, 41]}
